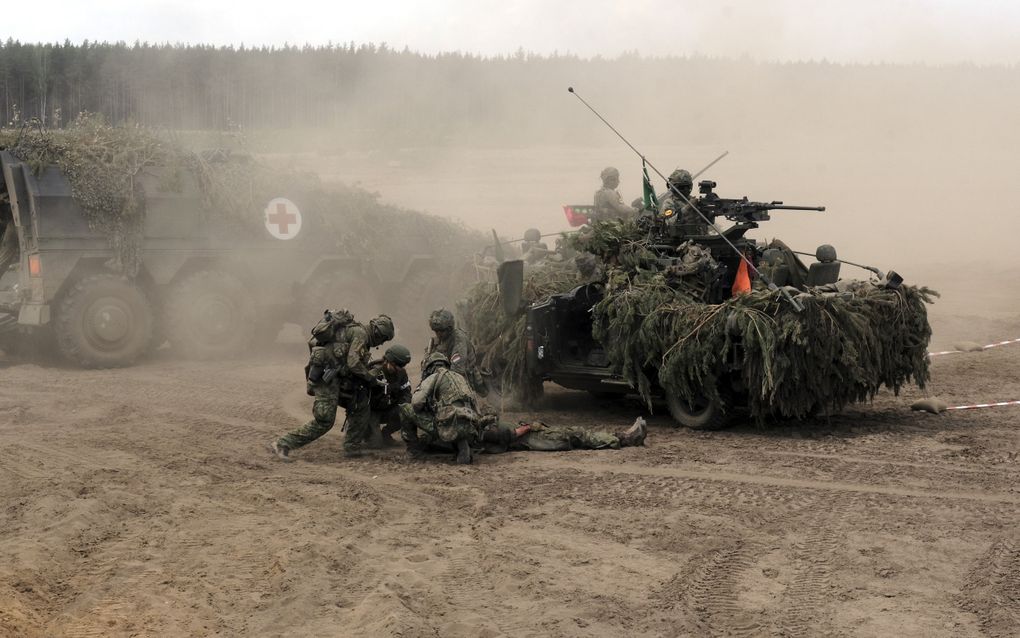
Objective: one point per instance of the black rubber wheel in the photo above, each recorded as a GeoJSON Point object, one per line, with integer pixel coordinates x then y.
{"type": "Point", "coordinates": [105, 321]}
{"type": "Point", "coordinates": [701, 414]}
{"type": "Point", "coordinates": [210, 315]}
{"type": "Point", "coordinates": [334, 291]}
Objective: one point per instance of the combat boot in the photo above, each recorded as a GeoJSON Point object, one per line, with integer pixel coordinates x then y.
{"type": "Point", "coordinates": [634, 435]}
{"type": "Point", "coordinates": [463, 452]}
{"type": "Point", "coordinates": [387, 435]}
{"type": "Point", "coordinates": [282, 452]}
{"type": "Point", "coordinates": [498, 436]}
{"type": "Point", "coordinates": [415, 447]}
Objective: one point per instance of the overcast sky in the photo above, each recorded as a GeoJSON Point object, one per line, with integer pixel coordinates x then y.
{"type": "Point", "coordinates": [928, 31]}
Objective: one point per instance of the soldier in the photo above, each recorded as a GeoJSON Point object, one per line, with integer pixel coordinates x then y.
{"type": "Point", "coordinates": [608, 202]}
{"type": "Point", "coordinates": [443, 412]}
{"type": "Point", "coordinates": [533, 249]}
{"type": "Point", "coordinates": [456, 345]}
{"type": "Point", "coordinates": [338, 374]}
{"type": "Point", "coordinates": [498, 437]}
{"type": "Point", "coordinates": [676, 208]}
{"type": "Point", "coordinates": [387, 399]}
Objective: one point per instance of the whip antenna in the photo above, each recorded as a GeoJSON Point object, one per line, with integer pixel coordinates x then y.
{"type": "Point", "coordinates": [771, 286]}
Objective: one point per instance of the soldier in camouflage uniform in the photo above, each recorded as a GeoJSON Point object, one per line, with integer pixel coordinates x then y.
{"type": "Point", "coordinates": [456, 345]}
{"type": "Point", "coordinates": [533, 249]}
{"type": "Point", "coordinates": [677, 210]}
{"type": "Point", "coordinates": [443, 412]}
{"type": "Point", "coordinates": [608, 202]}
{"type": "Point", "coordinates": [498, 437]}
{"type": "Point", "coordinates": [338, 374]}
{"type": "Point", "coordinates": [386, 400]}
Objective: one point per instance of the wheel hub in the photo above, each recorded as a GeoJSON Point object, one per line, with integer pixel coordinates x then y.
{"type": "Point", "coordinates": [110, 321]}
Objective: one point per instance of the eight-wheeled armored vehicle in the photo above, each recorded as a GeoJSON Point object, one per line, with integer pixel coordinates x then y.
{"type": "Point", "coordinates": [200, 285]}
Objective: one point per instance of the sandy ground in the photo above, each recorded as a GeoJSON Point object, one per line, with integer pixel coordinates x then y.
{"type": "Point", "coordinates": [141, 502]}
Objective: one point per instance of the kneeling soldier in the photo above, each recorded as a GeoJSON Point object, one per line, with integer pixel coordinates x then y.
{"type": "Point", "coordinates": [442, 413]}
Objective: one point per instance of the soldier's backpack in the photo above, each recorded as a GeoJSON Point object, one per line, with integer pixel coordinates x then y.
{"type": "Point", "coordinates": [332, 322]}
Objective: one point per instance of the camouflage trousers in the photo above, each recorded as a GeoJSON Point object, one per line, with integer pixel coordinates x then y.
{"type": "Point", "coordinates": [552, 439]}
{"type": "Point", "coordinates": [359, 422]}
{"type": "Point", "coordinates": [426, 429]}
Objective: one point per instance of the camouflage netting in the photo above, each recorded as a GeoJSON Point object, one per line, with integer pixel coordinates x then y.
{"type": "Point", "coordinates": [499, 339]}
{"type": "Point", "coordinates": [840, 349]}
{"type": "Point", "coordinates": [106, 166]}
{"type": "Point", "coordinates": [849, 341]}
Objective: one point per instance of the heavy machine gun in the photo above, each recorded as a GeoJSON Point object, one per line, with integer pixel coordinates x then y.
{"type": "Point", "coordinates": [738, 210]}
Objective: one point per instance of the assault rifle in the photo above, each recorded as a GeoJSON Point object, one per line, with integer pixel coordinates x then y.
{"type": "Point", "coordinates": [738, 210]}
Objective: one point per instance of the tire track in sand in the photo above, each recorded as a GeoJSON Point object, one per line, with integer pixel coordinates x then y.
{"type": "Point", "coordinates": [781, 482]}
{"type": "Point", "coordinates": [991, 590]}
{"type": "Point", "coordinates": [824, 533]}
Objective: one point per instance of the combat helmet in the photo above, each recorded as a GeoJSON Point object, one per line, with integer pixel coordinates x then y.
{"type": "Point", "coordinates": [825, 253]}
{"type": "Point", "coordinates": [681, 178]}
{"type": "Point", "coordinates": [397, 355]}
{"type": "Point", "coordinates": [380, 329]}
{"type": "Point", "coordinates": [609, 172]}
{"type": "Point", "coordinates": [533, 235]}
{"type": "Point", "coordinates": [441, 320]}
{"type": "Point", "coordinates": [432, 361]}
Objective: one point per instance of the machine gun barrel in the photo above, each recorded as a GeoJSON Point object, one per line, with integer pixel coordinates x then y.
{"type": "Point", "coordinates": [783, 207]}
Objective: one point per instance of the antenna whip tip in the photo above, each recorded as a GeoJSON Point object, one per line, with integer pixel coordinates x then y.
{"type": "Point", "coordinates": [570, 89]}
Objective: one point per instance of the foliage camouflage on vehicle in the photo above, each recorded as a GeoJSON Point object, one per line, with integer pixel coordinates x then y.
{"type": "Point", "coordinates": [499, 339]}
{"type": "Point", "coordinates": [104, 165]}
{"type": "Point", "coordinates": [848, 342]}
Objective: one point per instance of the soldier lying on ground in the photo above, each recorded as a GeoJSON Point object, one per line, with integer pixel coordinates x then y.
{"type": "Point", "coordinates": [338, 374]}
{"type": "Point", "coordinates": [498, 437]}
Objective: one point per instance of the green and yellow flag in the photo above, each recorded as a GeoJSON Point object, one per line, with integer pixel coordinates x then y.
{"type": "Point", "coordinates": [650, 200]}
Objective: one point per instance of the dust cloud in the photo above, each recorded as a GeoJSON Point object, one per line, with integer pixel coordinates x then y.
{"type": "Point", "coordinates": [914, 164]}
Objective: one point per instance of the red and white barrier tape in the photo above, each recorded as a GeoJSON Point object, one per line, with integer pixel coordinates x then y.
{"type": "Point", "coordinates": [983, 405]}
{"type": "Point", "coordinates": [991, 345]}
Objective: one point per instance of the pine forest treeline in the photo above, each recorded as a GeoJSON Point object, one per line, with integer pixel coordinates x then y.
{"type": "Point", "coordinates": [374, 95]}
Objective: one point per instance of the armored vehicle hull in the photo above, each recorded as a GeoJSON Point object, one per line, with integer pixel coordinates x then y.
{"type": "Point", "coordinates": [200, 285]}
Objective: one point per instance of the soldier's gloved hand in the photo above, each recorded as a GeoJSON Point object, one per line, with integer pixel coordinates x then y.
{"type": "Point", "coordinates": [536, 426]}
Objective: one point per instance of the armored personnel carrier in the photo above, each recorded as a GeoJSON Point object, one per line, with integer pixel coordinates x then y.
{"type": "Point", "coordinates": [206, 283]}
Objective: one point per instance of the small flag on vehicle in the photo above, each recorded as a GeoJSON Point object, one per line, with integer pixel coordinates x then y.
{"type": "Point", "coordinates": [650, 200]}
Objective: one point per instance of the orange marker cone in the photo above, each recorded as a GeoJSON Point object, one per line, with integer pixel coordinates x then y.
{"type": "Point", "coordinates": [742, 282]}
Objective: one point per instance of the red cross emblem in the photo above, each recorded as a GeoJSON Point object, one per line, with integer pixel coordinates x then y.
{"type": "Point", "coordinates": [283, 219]}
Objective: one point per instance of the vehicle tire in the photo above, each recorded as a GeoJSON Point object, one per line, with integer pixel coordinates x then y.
{"type": "Point", "coordinates": [210, 315]}
{"type": "Point", "coordinates": [702, 414]}
{"type": "Point", "coordinates": [104, 321]}
{"type": "Point", "coordinates": [337, 290]}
